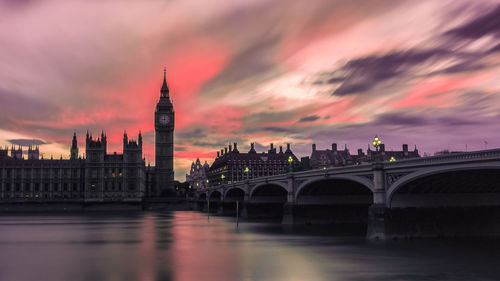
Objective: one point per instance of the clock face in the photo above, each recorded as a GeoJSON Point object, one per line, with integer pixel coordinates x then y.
{"type": "Point", "coordinates": [164, 119]}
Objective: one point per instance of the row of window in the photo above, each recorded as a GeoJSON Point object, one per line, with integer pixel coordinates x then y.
{"type": "Point", "coordinates": [37, 172]}
{"type": "Point", "coordinates": [41, 187]}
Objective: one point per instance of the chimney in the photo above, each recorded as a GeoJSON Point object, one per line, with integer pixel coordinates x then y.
{"type": "Point", "coordinates": [287, 146]}
{"type": "Point", "coordinates": [235, 146]}
{"type": "Point", "coordinates": [272, 145]}
{"type": "Point", "coordinates": [221, 152]}
{"type": "Point", "coordinates": [382, 147]}
{"type": "Point", "coordinates": [281, 149]}
{"type": "Point", "coordinates": [314, 147]}
{"type": "Point", "coordinates": [334, 147]}
{"type": "Point", "coordinates": [230, 148]}
{"type": "Point", "coordinates": [360, 152]}
{"type": "Point", "coordinates": [405, 149]}
{"type": "Point", "coordinates": [225, 150]}
{"type": "Point", "coordinates": [218, 154]}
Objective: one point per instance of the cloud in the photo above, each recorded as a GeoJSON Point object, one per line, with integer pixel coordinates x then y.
{"type": "Point", "coordinates": [247, 71]}
{"type": "Point", "coordinates": [362, 74]}
{"type": "Point", "coordinates": [486, 23]}
{"type": "Point", "coordinates": [309, 118]}
{"type": "Point", "coordinates": [26, 142]}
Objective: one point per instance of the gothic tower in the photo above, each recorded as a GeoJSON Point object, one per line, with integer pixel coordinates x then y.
{"type": "Point", "coordinates": [164, 140]}
{"type": "Point", "coordinates": [74, 147]}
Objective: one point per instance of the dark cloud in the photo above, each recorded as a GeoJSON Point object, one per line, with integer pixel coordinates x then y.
{"type": "Point", "coordinates": [362, 74]}
{"type": "Point", "coordinates": [485, 24]}
{"type": "Point", "coordinates": [26, 142]}
{"type": "Point", "coordinates": [195, 133]}
{"type": "Point", "coordinates": [309, 118]}
{"type": "Point", "coordinates": [400, 119]}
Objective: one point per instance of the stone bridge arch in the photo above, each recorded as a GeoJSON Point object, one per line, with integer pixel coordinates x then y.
{"type": "Point", "coordinates": [235, 190]}
{"type": "Point", "coordinates": [272, 183]}
{"type": "Point", "coordinates": [361, 180]}
{"type": "Point", "coordinates": [428, 172]}
{"type": "Point", "coordinates": [202, 196]}
{"type": "Point", "coordinates": [215, 195]}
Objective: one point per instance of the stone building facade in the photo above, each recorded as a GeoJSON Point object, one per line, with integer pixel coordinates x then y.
{"type": "Point", "coordinates": [336, 158]}
{"type": "Point", "coordinates": [197, 177]}
{"type": "Point", "coordinates": [97, 178]}
{"type": "Point", "coordinates": [231, 165]}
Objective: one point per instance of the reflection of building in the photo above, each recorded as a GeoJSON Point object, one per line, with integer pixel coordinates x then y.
{"type": "Point", "coordinates": [197, 177]}
{"type": "Point", "coordinates": [335, 158]}
{"type": "Point", "coordinates": [233, 166]}
{"type": "Point", "coordinates": [99, 177]}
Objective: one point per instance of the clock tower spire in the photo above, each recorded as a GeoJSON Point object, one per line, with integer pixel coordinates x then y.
{"type": "Point", "coordinates": [164, 142]}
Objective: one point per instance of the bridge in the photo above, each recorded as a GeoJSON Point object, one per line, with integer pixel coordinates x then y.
{"type": "Point", "coordinates": [448, 195]}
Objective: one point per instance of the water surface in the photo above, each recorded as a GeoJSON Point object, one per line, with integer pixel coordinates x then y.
{"type": "Point", "coordinates": [188, 246]}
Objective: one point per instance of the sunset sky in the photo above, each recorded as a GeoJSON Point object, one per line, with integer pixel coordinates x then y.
{"type": "Point", "coordinates": [318, 71]}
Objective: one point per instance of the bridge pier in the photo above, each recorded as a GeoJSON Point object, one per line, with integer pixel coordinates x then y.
{"type": "Point", "coordinates": [243, 212]}
{"type": "Point", "coordinates": [377, 219]}
{"type": "Point", "coordinates": [288, 214]}
{"type": "Point", "coordinates": [220, 208]}
{"type": "Point", "coordinates": [288, 217]}
{"type": "Point", "coordinates": [377, 213]}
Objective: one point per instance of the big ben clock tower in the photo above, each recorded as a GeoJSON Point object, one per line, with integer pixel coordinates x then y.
{"type": "Point", "coordinates": [164, 140]}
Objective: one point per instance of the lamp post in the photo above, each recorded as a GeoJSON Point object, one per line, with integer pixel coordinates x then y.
{"type": "Point", "coordinates": [222, 177]}
{"type": "Point", "coordinates": [246, 172]}
{"type": "Point", "coordinates": [290, 160]}
{"type": "Point", "coordinates": [376, 142]}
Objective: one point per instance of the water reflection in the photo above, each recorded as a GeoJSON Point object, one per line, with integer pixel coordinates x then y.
{"type": "Point", "coordinates": [187, 246]}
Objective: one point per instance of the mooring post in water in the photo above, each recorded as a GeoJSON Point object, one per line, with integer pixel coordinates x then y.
{"type": "Point", "coordinates": [237, 215]}
{"type": "Point", "coordinates": [208, 209]}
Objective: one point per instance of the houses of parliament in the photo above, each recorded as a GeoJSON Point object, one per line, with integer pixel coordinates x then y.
{"type": "Point", "coordinates": [99, 176]}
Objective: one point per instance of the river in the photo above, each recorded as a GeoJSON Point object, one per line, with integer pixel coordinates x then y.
{"type": "Point", "coordinates": [189, 246]}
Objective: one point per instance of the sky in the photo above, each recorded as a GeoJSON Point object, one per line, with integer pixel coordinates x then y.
{"type": "Point", "coordinates": [425, 73]}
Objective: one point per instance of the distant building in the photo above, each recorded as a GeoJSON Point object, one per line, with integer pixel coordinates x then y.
{"type": "Point", "coordinates": [396, 155]}
{"type": "Point", "coordinates": [114, 176]}
{"type": "Point", "coordinates": [232, 166]}
{"type": "Point", "coordinates": [100, 177]}
{"type": "Point", "coordinates": [331, 158]}
{"type": "Point", "coordinates": [197, 177]}
{"type": "Point", "coordinates": [337, 158]}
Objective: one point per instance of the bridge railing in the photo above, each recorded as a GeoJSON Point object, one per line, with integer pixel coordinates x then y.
{"type": "Point", "coordinates": [464, 156]}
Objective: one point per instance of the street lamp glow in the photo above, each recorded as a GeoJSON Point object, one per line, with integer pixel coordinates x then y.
{"type": "Point", "coordinates": [392, 159]}
{"type": "Point", "coordinates": [246, 170]}
{"type": "Point", "coordinates": [376, 142]}
{"type": "Point", "coordinates": [290, 159]}
{"type": "Point", "coordinates": [222, 176]}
